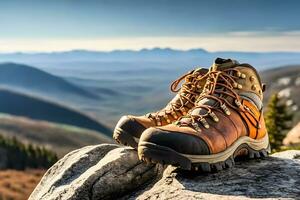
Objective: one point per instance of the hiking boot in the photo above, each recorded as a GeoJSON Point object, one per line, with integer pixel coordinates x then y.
{"type": "Point", "coordinates": [226, 122]}
{"type": "Point", "coordinates": [129, 128]}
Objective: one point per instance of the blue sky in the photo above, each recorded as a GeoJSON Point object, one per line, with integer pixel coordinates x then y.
{"type": "Point", "coordinates": [134, 24]}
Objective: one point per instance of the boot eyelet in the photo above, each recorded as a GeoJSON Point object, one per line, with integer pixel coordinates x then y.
{"type": "Point", "coordinates": [168, 120]}
{"type": "Point", "coordinates": [204, 123]}
{"type": "Point", "coordinates": [237, 102]}
{"type": "Point", "coordinates": [183, 111]}
{"type": "Point", "coordinates": [239, 86]}
{"type": "Point", "coordinates": [214, 117]}
{"type": "Point", "coordinates": [174, 115]}
{"type": "Point", "coordinates": [225, 109]}
{"type": "Point", "coordinates": [196, 126]}
{"type": "Point", "coordinates": [241, 75]}
{"type": "Point", "coordinates": [158, 122]}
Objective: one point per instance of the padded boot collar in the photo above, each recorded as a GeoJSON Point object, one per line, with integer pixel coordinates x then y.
{"type": "Point", "coordinates": [221, 63]}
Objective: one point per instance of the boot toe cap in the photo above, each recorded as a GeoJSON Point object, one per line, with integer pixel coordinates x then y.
{"type": "Point", "coordinates": [129, 124]}
{"type": "Point", "coordinates": [178, 141]}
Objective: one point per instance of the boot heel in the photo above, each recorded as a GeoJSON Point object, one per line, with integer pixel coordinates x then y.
{"type": "Point", "coordinates": [122, 137]}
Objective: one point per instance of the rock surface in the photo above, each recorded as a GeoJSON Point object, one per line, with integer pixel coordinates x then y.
{"type": "Point", "coordinates": [94, 172]}
{"type": "Point", "coordinates": [111, 171]}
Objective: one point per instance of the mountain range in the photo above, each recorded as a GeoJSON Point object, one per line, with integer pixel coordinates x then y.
{"type": "Point", "coordinates": [162, 56]}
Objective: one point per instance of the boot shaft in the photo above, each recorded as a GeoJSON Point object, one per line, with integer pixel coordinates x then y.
{"type": "Point", "coordinates": [248, 83]}
{"type": "Point", "coordinates": [249, 88]}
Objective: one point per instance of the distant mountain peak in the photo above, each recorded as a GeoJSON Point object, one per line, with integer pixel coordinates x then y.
{"type": "Point", "coordinates": [159, 49]}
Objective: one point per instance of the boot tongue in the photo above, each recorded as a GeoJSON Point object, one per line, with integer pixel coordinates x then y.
{"type": "Point", "coordinates": [218, 65]}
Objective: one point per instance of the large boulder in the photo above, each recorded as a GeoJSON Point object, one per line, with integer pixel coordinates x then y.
{"type": "Point", "coordinates": [111, 171]}
{"type": "Point", "coordinates": [94, 172]}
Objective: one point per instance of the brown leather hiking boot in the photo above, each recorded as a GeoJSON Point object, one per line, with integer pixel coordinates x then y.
{"type": "Point", "coordinates": [129, 128]}
{"type": "Point", "coordinates": [226, 122]}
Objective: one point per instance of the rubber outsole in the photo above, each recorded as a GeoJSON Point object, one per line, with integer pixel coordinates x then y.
{"type": "Point", "coordinates": [124, 138]}
{"type": "Point", "coordinates": [152, 153]}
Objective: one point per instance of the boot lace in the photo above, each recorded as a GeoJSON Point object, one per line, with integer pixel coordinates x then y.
{"type": "Point", "coordinates": [220, 87]}
{"type": "Point", "coordinates": [187, 94]}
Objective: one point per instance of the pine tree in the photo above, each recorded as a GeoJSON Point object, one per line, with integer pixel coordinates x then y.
{"type": "Point", "coordinates": [278, 120]}
{"type": "Point", "coordinates": [21, 156]}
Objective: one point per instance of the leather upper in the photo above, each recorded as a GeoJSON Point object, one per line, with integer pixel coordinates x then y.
{"type": "Point", "coordinates": [222, 115]}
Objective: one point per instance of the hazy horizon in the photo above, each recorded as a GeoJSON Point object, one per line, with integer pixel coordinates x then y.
{"type": "Point", "coordinates": [141, 49]}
